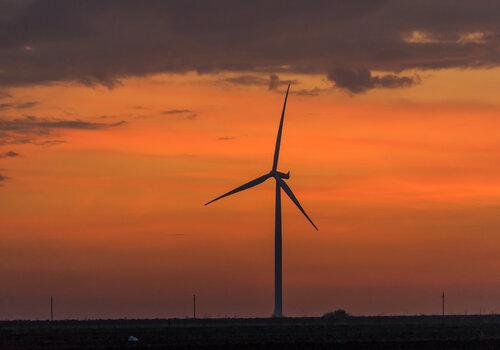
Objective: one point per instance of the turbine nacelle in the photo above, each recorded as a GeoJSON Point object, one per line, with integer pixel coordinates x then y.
{"type": "Point", "coordinates": [279, 174]}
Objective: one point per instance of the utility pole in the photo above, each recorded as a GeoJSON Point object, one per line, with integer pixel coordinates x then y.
{"type": "Point", "coordinates": [194, 305]}
{"type": "Point", "coordinates": [442, 303]}
{"type": "Point", "coordinates": [51, 308]}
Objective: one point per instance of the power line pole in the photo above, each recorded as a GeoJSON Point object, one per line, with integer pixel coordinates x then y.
{"type": "Point", "coordinates": [442, 303]}
{"type": "Point", "coordinates": [194, 305]}
{"type": "Point", "coordinates": [51, 308]}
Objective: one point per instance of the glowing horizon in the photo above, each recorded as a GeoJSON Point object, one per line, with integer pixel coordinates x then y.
{"type": "Point", "coordinates": [106, 205]}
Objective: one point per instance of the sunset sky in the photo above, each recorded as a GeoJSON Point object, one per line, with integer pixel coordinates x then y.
{"type": "Point", "coordinates": [120, 119]}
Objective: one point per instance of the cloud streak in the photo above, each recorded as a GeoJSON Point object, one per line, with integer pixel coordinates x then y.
{"type": "Point", "coordinates": [316, 91]}
{"type": "Point", "coordinates": [177, 111]}
{"type": "Point", "coordinates": [226, 138]}
{"type": "Point", "coordinates": [9, 154]}
{"type": "Point", "coordinates": [181, 113]}
{"type": "Point", "coordinates": [39, 131]}
{"type": "Point", "coordinates": [40, 124]}
{"type": "Point", "coordinates": [23, 105]}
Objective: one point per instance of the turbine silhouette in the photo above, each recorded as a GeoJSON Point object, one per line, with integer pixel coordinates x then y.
{"type": "Point", "coordinates": [280, 184]}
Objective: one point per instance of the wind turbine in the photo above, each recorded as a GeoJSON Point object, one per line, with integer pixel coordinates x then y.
{"type": "Point", "coordinates": [280, 185]}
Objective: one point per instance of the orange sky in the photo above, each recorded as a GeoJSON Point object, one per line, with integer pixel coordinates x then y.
{"type": "Point", "coordinates": [403, 184]}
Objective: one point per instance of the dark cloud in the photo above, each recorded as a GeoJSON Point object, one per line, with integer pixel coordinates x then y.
{"type": "Point", "coordinates": [22, 105]}
{"type": "Point", "coordinates": [309, 92]}
{"type": "Point", "coordinates": [9, 154]}
{"type": "Point", "coordinates": [275, 82]}
{"type": "Point", "coordinates": [101, 41]}
{"type": "Point", "coordinates": [107, 117]}
{"type": "Point", "coordinates": [360, 80]}
{"type": "Point", "coordinates": [38, 131]}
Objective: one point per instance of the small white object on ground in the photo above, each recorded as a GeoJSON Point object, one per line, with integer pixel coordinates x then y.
{"type": "Point", "coordinates": [132, 339]}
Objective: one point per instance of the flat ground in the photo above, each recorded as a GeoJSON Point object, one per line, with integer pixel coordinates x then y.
{"type": "Point", "coordinates": [401, 332]}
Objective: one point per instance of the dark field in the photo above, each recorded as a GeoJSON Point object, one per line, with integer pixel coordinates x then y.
{"type": "Point", "coordinates": [402, 332]}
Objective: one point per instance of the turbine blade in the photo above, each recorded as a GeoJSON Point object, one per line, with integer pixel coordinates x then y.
{"type": "Point", "coordinates": [294, 199]}
{"type": "Point", "coordinates": [246, 186]}
{"type": "Point", "coordinates": [280, 129]}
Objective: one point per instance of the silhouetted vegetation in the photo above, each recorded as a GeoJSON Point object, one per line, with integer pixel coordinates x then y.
{"type": "Point", "coordinates": [337, 315]}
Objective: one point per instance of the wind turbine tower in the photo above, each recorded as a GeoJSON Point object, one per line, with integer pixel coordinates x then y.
{"type": "Point", "coordinates": [280, 178]}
